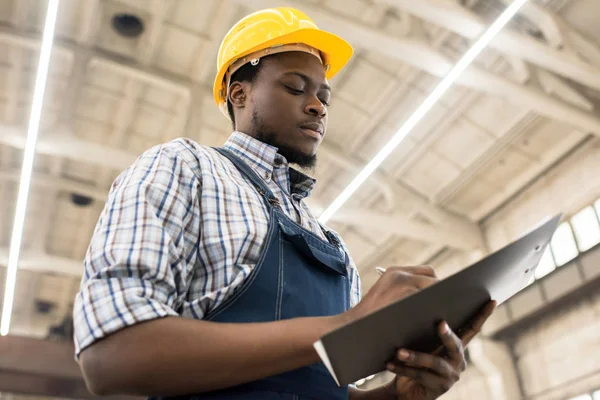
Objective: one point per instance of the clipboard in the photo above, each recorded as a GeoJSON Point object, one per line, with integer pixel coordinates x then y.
{"type": "Point", "coordinates": [363, 347]}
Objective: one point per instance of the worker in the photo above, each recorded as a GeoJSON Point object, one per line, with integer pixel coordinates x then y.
{"type": "Point", "coordinates": [208, 277]}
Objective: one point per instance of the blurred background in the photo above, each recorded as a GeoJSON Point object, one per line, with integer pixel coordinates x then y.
{"type": "Point", "coordinates": [514, 141]}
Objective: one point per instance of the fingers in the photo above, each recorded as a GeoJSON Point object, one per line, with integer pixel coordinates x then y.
{"type": "Point", "coordinates": [435, 364]}
{"type": "Point", "coordinates": [477, 323]}
{"type": "Point", "coordinates": [423, 270]}
{"type": "Point", "coordinates": [453, 346]}
{"type": "Point", "coordinates": [428, 379]}
{"type": "Point", "coordinates": [416, 277]}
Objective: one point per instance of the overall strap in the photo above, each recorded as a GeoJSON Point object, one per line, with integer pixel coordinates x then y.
{"type": "Point", "coordinates": [261, 185]}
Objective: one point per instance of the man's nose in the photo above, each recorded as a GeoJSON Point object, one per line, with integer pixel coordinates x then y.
{"type": "Point", "coordinates": [316, 108]}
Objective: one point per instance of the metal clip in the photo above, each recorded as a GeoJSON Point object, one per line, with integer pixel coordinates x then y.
{"type": "Point", "coordinates": [333, 239]}
{"type": "Point", "coordinates": [274, 202]}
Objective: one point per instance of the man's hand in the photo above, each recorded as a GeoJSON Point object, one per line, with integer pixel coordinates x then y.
{"type": "Point", "coordinates": [396, 283]}
{"type": "Point", "coordinates": [422, 376]}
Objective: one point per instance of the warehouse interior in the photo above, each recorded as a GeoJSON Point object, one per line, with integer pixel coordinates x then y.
{"type": "Point", "coordinates": [515, 140]}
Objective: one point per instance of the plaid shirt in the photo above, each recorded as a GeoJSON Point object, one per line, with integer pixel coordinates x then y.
{"type": "Point", "coordinates": [181, 230]}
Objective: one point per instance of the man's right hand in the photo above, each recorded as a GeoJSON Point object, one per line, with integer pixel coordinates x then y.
{"type": "Point", "coordinates": [396, 283]}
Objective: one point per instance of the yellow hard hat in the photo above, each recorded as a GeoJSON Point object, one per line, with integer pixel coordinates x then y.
{"type": "Point", "coordinates": [272, 31]}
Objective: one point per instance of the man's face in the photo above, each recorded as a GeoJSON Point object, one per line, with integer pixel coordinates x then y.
{"type": "Point", "coordinates": [286, 106]}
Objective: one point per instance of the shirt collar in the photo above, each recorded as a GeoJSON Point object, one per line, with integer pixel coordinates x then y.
{"type": "Point", "coordinates": [263, 158]}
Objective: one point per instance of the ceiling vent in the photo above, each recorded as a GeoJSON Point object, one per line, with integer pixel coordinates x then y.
{"type": "Point", "coordinates": [128, 25]}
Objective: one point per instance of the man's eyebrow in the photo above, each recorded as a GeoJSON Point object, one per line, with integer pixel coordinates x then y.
{"type": "Point", "coordinates": [307, 78]}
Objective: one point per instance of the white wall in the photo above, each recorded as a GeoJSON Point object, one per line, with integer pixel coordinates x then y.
{"type": "Point", "coordinates": [567, 188]}
{"type": "Point", "coordinates": [559, 357]}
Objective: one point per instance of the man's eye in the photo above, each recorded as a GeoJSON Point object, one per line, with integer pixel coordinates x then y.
{"type": "Point", "coordinates": [294, 91]}
{"type": "Point", "coordinates": [325, 103]}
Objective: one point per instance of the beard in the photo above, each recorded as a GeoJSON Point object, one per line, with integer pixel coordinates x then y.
{"type": "Point", "coordinates": [292, 155]}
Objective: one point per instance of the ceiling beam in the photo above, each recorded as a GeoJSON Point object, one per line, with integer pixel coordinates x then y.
{"type": "Point", "coordinates": [44, 368]}
{"type": "Point", "coordinates": [403, 226]}
{"type": "Point", "coordinates": [20, 11]}
{"type": "Point", "coordinates": [400, 193]}
{"type": "Point", "coordinates": [545, 20]}
{"type": "Point", "coordinates": [124, 118]}
{"type": "Point", "coordinates": [452, 16]}
{"type": "Point", "coordinates": [43, 231]}
{"type": "Point", "coordinates": [49, 181]}
{"type": "Point", "coordinates": [64, 144]}
{"type": "Point", "coordinates": [42, 262]}
{"type": "Point", "coordinates": [410, 51]}
{"type": "Point", "coordinates": [99, 59]}
{"type": "Point", "coordinates": [581, 45]}
{"type": "Point", "coordinates": [559, 34]}
{"type": "Point", "coordinates": [40, 357]}
{"type": "Point", "coordinates": [388, 100]}
{"type": "Point", "coordinates": [218, 28]}
{"type": "Point", "coordinates": [422, 56]}
{"type": "Point", "coordinates": [572, 141]}
{"type": "Point", "coordinates": [396, 92]}
{"type": "Point", "coordinates": [43, 220]}
{"type": "Point", "coordinates": [89, 22]}
{"type": "Point", "coordinates": [150, 40]}
{"type": "Point", "coordinates": [193, 118]}
{"type": "Point", "coordinates": [71, 147]}
{"type": "Point", "coordinates": [399, 224]}
{"type": "Point", "coordinates": [14, 82]}
{"type": "Point", "coordinates": [21, 383]}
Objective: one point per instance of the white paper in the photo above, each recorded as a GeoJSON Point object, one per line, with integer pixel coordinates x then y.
{"type": "Point", "coordinates": [325, 358]}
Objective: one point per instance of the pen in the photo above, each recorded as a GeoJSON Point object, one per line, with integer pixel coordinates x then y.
{"type": "Point", "coordinates": [380, 270]}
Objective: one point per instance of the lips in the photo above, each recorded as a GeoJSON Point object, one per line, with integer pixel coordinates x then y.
{"type": "Point", "coordinates": [313, 127]}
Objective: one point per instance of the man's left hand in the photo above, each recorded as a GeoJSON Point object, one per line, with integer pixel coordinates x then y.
{"type": "Point", "coordinates": [421, 376]}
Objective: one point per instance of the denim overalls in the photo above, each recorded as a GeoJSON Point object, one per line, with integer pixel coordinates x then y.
{"type": "Point", "coordinates": [297, 275]}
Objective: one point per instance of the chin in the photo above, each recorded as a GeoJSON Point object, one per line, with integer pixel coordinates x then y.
{"type": "Point", "coordinates": [301, 156]}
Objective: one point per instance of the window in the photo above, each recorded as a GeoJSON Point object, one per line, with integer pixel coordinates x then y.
{"type": "Point", "coordinates": [563, 245]}
{"type": "Point", "coordinates": [587, 228]}
{"type": "Point", "coordinates": [582, 397]}
{"type": "Point", "coordinates": [593, 396]}
{"type": "Point", "coordinates": [546, 264]}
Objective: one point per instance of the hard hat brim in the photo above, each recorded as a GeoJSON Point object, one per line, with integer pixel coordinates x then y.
{"type": "Point", "coordinates": [336, 53]}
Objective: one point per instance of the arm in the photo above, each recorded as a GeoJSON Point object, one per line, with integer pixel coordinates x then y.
{"type": "Point", "coordinates": [173, 355]}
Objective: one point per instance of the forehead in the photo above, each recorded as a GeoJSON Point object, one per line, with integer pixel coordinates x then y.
{"type": "Point", "coordinates": [305, 63]}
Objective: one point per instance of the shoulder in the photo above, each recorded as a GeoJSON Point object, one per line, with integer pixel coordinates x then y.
{"type": "Point", "coordinates": [188, 154]}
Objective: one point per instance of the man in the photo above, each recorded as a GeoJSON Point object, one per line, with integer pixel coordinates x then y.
{"type": "Point", "coordinates": [208, 277]}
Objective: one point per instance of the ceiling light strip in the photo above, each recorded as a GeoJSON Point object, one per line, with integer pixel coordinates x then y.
{"type": "Point", "coordinates": [27, 167]}
{"type": "Point", "coordinates": [424, 108]}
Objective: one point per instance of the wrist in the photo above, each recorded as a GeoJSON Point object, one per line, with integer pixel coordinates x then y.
{"type": "Point", "coordinates": [383, 392]}
{"type": "Point", "coordinates": [336, 321]}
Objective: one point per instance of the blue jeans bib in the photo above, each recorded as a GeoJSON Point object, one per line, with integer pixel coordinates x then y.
{"type": "Point", "coordinates": [297, 275]}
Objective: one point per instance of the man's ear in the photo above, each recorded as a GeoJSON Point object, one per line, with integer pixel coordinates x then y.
{"type": "Point", "coordinates": [237, 94]}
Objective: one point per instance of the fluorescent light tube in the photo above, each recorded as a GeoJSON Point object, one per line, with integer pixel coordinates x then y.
{"type": "Point", "coordinates": [423, 109]}
{"type": "Point", "coordinates": [26, 169]}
